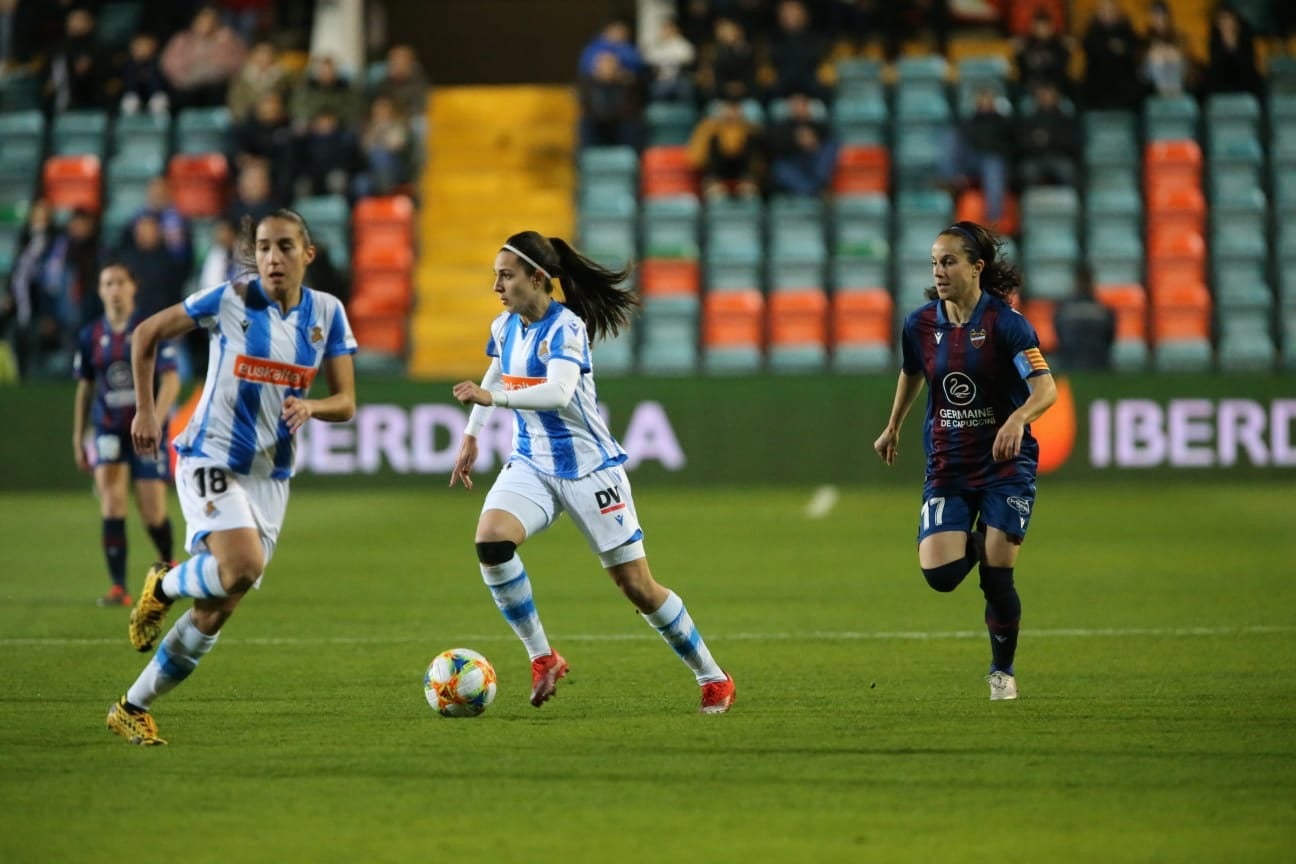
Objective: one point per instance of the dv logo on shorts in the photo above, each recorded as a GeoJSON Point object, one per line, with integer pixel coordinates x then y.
{"type": "Point", "coordinates": [609, 500]}
{"type": "Point", "coordinates": [959, 389]}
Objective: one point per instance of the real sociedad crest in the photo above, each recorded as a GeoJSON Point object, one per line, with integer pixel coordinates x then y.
{"type": "Point", "coordinates": [977, 338]}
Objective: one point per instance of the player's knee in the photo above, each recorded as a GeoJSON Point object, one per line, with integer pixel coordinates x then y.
{"type": "Point", "coordinates": [239, 573]}
{"type": "Point", "coordinates": [996, 581]}
{"type": "Point", "coordinates": [946, 577]}
{"type": "Point", "coordinates": [495, 552]}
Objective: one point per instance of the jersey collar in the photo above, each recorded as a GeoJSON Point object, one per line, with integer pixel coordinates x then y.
{"type": "Point", "coordinates": [942, 320]}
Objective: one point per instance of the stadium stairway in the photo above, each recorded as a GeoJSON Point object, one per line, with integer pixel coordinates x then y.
{"type": "Point", "coordinates": [499, 161]}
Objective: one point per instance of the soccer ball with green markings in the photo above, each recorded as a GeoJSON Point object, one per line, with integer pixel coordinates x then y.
{"type": "Point", "coordinates": [459, 683]}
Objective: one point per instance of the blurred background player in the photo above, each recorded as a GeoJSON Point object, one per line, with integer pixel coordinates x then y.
{"type": "Point", "coordinates": [236, 455]}
{"type": "Point", "coordinates": [105, 396]}
{"type": "Point", "coordinates": [564, 458]}
{"type": "Point", "coordinates": [987, 382]}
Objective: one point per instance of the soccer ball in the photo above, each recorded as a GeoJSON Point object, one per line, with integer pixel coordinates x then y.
{"type": "Point", "coordinates": [459, 683]}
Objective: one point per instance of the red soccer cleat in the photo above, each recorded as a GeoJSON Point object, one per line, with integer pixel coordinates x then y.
{"type": "Point", "coordinates": [545, 672]}
{"type": "Point", "coordinates": [718, 696]}
{"type": "Point", "coordinates": [116, 596]}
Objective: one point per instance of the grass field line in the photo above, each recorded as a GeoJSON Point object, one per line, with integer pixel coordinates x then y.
{"type": "Point", "coordinates": [805, 636]}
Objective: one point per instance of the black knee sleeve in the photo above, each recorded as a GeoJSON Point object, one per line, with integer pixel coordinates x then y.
{"type": "Point", "coordinates": [947, 576]}
{"type": "Point", "coordinates": [996, 581]}
{"type": "Point", "coordinates": [495, 552]}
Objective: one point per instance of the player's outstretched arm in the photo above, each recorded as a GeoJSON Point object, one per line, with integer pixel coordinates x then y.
{"type": "Point", "coordinates": [1007, 443]}
{"type": "Point", "coordinates": [170, 323]}
{"type": "Point", "coordinates": [908, 387]}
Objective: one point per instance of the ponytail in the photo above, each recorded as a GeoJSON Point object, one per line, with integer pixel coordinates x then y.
{"type": "Point", "coordinates": [593, 292]}
{"type": "Point", "coordinates": [998, 277]}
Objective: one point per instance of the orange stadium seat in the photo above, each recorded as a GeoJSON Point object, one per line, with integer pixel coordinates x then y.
{"type": "Point", "coordinates": [1172, 207]}
{"type": "Point", "coordinates": [798, 318]}
{"type": "Point", "coordinates": [862, 318]}
{"type": "Point", "coordinates": [667, 171]}
{"type": "Point", "coordinates": [1129, 304]}
{"type": "Point", "coordinates": [663, 277]}
{"type": "Point", "coordinates": [383, 278]}
{"type": "Point", "coordinates": [971, 208]}
{"type": "Point", "coordinates": [862, 170]}
{"type": "Point", "coordinates": [1181, 312]}
{"type": "Point", "coordinates": [1040, 315]}
{"type": "Point", "coordinates": [198, 183]}
{"type": "Point", "coordinates": [375, 327]}
{"type": "Point", "coordinates": [73, 181]}
{"type": "Point", "coordinates": [732, 319]}
{"type": "Point", "coordinates": [383, 220]}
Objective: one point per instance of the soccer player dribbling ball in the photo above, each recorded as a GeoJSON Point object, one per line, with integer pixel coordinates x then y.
{"type": "Point", "coordinates": [987, 382]}
{"type": "Point", "coordinates": [269, 336]}
{"type": "Point", "coordinates": [105, 398]}
{"type": "Point", "coordinates": [564, 459]}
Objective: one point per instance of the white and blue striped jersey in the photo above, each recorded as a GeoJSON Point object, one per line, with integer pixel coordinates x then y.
{"type": "Point", "coordinates": [258, 357]}
{"type": "Point", "coordinates": [573, 441]}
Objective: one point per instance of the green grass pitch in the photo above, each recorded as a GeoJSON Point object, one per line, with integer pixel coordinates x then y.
{"type": "Point", "coordinates": [1157, 668]}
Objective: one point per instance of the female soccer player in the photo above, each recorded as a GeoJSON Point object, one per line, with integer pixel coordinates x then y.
{"type": "Point", "coordinates": [564, 458]}
{"type": "Point", "coordinates": [987, 382]}
{"type": "Point", "coordinates": [269, 337]}
{"type": "Point", "coordinates": [105, 396]}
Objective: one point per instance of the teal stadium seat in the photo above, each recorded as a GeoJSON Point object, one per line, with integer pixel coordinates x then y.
{"type": "Point", "coordinates": [202, 130]}
{"type": "Point", "coordinates": [860, 119]}
{"type": "Point", "coordinates": [1167, 118]}
{"type": "Point", "coordinates": [79, 133]}
{"type": "Point", "coordinates": [329, 218]}
{"type": "Point", "coordinates": [669, 123]}
{"type": "Point", "coordinates": [669, 336]}
{"type": "Point", "coordinates": [22, 136]}
{"type": "Point", "coordinates": [616, 356]}
{"type": "Point", "coordinates": [669, 227]}
{"type": "Point", "coordinates": [610, 165]}
{"type": "Point", "coordinates": [20, 91]}
{"type": "Point", "coordinates": [143, 134]}
{"type": "Point", "coordinates": [860, 76]}
{"type": "Point", "coordinates": [1115, 254]}
{"type": "Point", "coordinates": [1246, 345]}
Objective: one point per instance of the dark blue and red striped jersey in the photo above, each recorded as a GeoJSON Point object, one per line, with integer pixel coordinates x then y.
{"type": "Point", "coordinates": [976, 377]}
{"type": "Point", "coordinates": [104, 357]}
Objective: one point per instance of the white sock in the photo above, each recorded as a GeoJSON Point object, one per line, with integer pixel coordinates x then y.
{"type": "Point", "coordinates": [672, 621]}
{"type": "Point", "coordinates": [511, 589]}
{"type": "Point", "coordinates": [177, 656]}
{"type": "Point", "coordinates": [197, 577]}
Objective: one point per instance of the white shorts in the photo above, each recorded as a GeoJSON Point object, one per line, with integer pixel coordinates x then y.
{"type": "Point", "coordinates": [214, 498]}
{"type": "Point", "coordinates": [600, 504]}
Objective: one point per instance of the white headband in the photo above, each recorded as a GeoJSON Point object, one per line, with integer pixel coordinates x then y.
{"type": "Point", "coordinates": [527, 258]}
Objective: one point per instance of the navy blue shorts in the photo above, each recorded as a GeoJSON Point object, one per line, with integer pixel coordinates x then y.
{"type": "Point", "coordinates": [111, 447]}
{"type": "Point", "coordinates": [1007, 508]}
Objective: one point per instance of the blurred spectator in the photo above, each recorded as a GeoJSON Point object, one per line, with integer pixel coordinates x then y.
{"type": "Point", "coordinates": [72, 274]}
{"type": "Point", "coordinates": [614, 38]}
{"type": "Point", "coordinates": [328, 157]}
{"type": "Point", "coordinates": [1049, 141]}
{"type": "Point", "coordinates": [1232, 64]}
{"type": "Point", "coordinates": [388, 147]}
{"type": "Point", "coordinates": [323, 275]}
{"type": "Point", "coordinates": [1085, 329]}
{"type": "Point", "coordinates": [802, 156]}
{"type": "Point", "coordinates": [797, 52]}
{"type": "Point", "coordinates": [1111, 50]}
{"type": "Point", "coordinates": [249, 18]}
{"type": "Point", "coordinates": [726, 148]}
{"type": "Point", "coordinates": [1044, 55]}
{"type": "Point", "coordinates": [159, 276]}
{"type": "Point", "coordinates": [177, 235]}
{"type": "Point", "coordinates": [979, 150]}
{"type": "Point", "coordinates": [695, 21]}
{"type": "Point", "coordinates": [323, 89]}
{"type": "Point", "coordinates": [28, 308]}
{"type": "Point", "coordinates": [404, 82]}
{"type": "Point", "coordinates": [261, 74]}
{"type": "Point", "coordinates": [219, 266]}
{"type": "Point", "coordinates": [267, 135]}
{"type": "Point", "coordinates": [1165, 63]}
{"type": "Point", "coordinates": [728, 67]}
{"type": "Point", "coordinates": [143, 86]}
{"type": "Point", "coordinates": [77, 70]}
{"type": "Point", "coordinates": [252, 193]}
{"type": "Point", "coordinates": [670, 57]}
{"type": "Point", "coordinates": [894, 18]}
{"type": "Point", "coordinates": [610, 109]}
{"type": "Point", "coordinates": [200, 61]}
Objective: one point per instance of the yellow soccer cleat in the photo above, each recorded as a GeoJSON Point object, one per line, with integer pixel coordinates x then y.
{"type": "Point", "coordinates": [149, 613]}
{"type": "Point", "coordinates": [137, 727]}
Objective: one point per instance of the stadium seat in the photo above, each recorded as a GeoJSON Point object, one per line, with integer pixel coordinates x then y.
{"type": "Point", "coordinates": [616, 355]}
{"type": "Point", "coordinates": [971, 207]}
{"type": "Point", "coordinates": [383, 220]}
{"type": "Point", "coordinates": [1176, 208]}
{"type": "Point", "coordinates": [1246, 345]}
{"type": "Point", "coordinates": [669, 227]}
{"type": "Point", "coordinates": [21, 138]}
{"type": "Point", "coordinates": [669, 335]}
{"type": "Point", "coordinates": [329, 220]}
{"type": "Point", "coordinates": [73, 181]}
{"type": "Point", "coordinates": [1173, 163]}
{"type": "Point", "coordinates": [1040, 315]}
{"type": "Point", "coordinates": [668, 278]}
{"type": "Point", "coordinates": [376, 331]}
{"type": "Point", "coordinates": [862, 170]}
{"type": "Point", "coordinates": [669, 123]}
{"type": "Point", "coordinates": [198, 183]}
{"type": "Point", "coordinates": [861, 331]}
{"type": "Point", "coordinates": [861, 119]}
{"type": "Point", "coordinates": [732, 331]}
{"type": "Point", "coordinates": [79, 133]}
{"type": "Point", "coordinates": [667, 171]}
{"type": "Point", "coordinates": [1128, 303]}
{"type": "Point", "coordinates": [1170, 117]}
{"type": "Point", "coordinates": [202, 130]}
{"type": "Point", "coordinates": [797, 324]}
{"type": "Point", "coordinates": [383, 276]}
